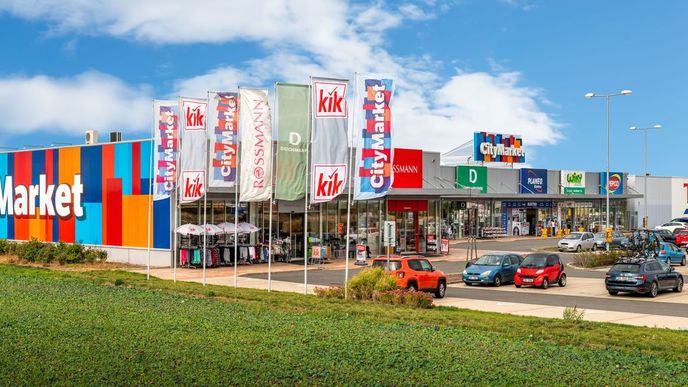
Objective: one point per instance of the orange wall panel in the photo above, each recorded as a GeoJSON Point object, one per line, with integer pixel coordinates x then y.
{"type": "Point", "coordinates": [135, 220]}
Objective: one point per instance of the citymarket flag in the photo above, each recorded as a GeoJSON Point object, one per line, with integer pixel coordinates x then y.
{"type": "Point", "coordinates": [373, 174]}
{"type": "Point", "coordinates": [166, 148]}
{"type": "Point", "coordinates": [222, 126]}
{"type": "Point", "coordinates": [293, 128]}
{"type": "Point", "coordinates": [330, 146]}
{"type": "Point", "coordinates": [192, 177]}
{"type": "Point", "coordinates": [255, 131]}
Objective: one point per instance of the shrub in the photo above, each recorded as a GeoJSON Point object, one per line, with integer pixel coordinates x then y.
{"type": "Point", "coordinates": [368, 281]}
{"type": "Point", "coordinates": [6, 247]}
{"type": "Point", "coordinates": [420, 300]}
{"type": "Point", "coordinates": [119, 282]}
{"type": "Point", "coordinates": [573, 314]}
{"type": "Point", "coordinates": [31, 250]}
{"type": "Point", "coordinates": [596, 259]}
{"type": "Point", "coordinates": [333, 292]}
{"type": "Point", "coordinates": [47, 253]}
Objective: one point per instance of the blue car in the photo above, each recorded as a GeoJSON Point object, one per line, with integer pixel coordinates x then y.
{"type": "Point", "coordinates": [670, 254]}
{"type": "Point", "coordinates": [492, 269]}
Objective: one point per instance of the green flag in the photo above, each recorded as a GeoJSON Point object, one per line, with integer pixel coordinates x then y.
{"type": "Point", "coordinates": [294, 129]}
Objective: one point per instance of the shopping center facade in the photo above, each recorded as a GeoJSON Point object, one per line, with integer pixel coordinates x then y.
{"type": "Point", "coordinates": [428, 202]}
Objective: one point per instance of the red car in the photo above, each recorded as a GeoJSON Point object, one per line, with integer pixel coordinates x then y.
{"type": "Point", "coordinates": [681, 238]}
{"type": "Point", "coordinates": [415, 273]}
{"type": "Point", "coordinates": [540, 269]}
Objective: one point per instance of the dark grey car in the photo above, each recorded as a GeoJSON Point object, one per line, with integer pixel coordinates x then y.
{"type": "Point", "coordinates": [639, 275]}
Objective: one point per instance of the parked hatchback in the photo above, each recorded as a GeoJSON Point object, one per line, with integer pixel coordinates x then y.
{"type": "Point", "coordinates": [647, 276]}
{"type": "Point", "coordinates": [681, 238]}
{"type": "Point", "coordinates": [670, 254]}
{"type": "Point", "coordinates": [577, 241]}
{"type": "Point", "coordinates": [493, 269]}
{"type": "Point", "coordinates": [415, 273]}
{"type": "Point", "coordinates": [540, 269]}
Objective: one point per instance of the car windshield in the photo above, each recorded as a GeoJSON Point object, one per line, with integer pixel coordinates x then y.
{"type": "Point", "coordinates": [599, 235]}
{"type": "Point", "coordinates": [625, 268]}
{"type": "Point", "coordinates": [393, 265]}
{"type": "Point", "coordinates": [534, 261]}
{"type": "Point", "coordinates": [574, 235]}
{"type": "Point", "coordinates": [489, 260]}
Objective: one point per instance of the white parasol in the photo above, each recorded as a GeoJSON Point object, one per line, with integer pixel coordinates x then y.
{"type": "Point", "coordinates": [189, 229]}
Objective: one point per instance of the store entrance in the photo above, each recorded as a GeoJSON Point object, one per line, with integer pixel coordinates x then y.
{"type": "Point", "coordinates": [407, 229]}
{"type": "Point", "coordinates": [407, 214]}
{"type": "Point", "coordinates": [531, 219]}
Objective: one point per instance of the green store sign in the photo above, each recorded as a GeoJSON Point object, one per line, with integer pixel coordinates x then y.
{"type": "Point", "coordinates": [472, 177]}
{"type": "Point", "coordinates": [573, 182]}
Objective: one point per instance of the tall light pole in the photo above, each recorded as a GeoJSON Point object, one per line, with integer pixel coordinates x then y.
{"type": "Point", "coordinates": [646, 219]}
{"type": "Point", "coordinates": [607, 97]}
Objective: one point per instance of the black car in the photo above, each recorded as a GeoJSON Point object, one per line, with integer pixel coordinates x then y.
{"type": "Point", "coordinates": [639, 275]}
{"type": "Point", "coordinates": [667, 236]}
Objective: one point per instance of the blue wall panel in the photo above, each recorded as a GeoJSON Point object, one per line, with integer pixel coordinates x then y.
{"type": "Point", "coordinates": [10, 220]}
{"type": "Point", "coordinates": [123, 155]}
{"type": "Point", "coordinates": [3, 173]}
{"type": "Point", "coordinates": [161, 224]}
{"type": "Point", "coordinates": [92, 173]}
{"type": "Point", "coordinates": [89, 228]}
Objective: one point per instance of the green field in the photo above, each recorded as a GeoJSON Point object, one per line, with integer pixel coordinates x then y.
{"type": "Point", "coordinates": [79, 328]}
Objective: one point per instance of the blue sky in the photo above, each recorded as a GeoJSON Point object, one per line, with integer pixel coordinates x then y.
{"type": "Point", "coordinates": [503, 66]}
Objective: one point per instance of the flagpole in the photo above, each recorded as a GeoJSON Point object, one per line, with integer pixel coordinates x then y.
{"type": "Point", "coordinates": [305, 200]}
{"type": "Point", "coordinates": [349, 183]}
{"type": "Point", "coordinates": [205, 191]}
{"type": "Point", "coordinates": [150, 192]}
{"type": "Point", "coordinates": [177, 202]}
{"type": "Point", "coordinates": [272, 194]}
{"type": "Point", "coordinates": [236, 193]}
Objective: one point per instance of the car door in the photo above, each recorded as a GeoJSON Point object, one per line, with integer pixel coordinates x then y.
{"type": "Point", "coordinates": [506, 269]}
{"type": "Point", "coordinates": [588, 240]}
{"type": "Point", "coordinates": [515, 263]}
{"type": "Point", "coordinates": [426, 278]}
{"type": "Point", "coordinates": [416, 272]}
{"type": "Point", "coordinates": [664, 276]}
{"type": "Point", "coordinates": [552, 267]}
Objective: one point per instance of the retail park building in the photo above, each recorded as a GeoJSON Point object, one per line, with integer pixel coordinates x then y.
{"type": "Point", "coordinates": [99, 194]}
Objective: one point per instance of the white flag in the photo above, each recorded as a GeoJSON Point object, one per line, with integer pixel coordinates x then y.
{"type": "Point", "coordinates": [165, 148]}
{"type": "Point", "coordinates": [255, 132]}
{"type": "Point", "coordinates": [222, 132]}
{"type": "Point", "coordinates": [193, 158]}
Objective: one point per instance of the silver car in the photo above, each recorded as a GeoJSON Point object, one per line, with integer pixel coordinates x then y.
{"type": "Point", "coordinates": [618, 240]}
{"type": "Point", "coordinates": [577, 241]}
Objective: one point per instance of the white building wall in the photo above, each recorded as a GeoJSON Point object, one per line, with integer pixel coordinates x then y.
{"type": "Point", "coordinates": [666, 198]}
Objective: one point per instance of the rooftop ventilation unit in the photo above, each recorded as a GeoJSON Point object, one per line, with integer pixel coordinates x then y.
{"type": "Point", "coordinates": [115, 136]}
{"type": "Point", "coordinates": [91, 137]}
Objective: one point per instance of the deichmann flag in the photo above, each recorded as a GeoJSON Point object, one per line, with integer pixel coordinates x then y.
{"type": "Point", "coordinates": [255, 131]}
{"type": "Point", "coordinates": [293, 127]}
{"type": "Point", "coordinates": [222, 127]}
{"type": "Point", "coordinates": [373, 174]}
{"type": "Point", "coordinates": [192, 178]}
{"type": "Point", "coordinates": [166, 148]}
{"type": "Point", "coordinates": [329, 149]}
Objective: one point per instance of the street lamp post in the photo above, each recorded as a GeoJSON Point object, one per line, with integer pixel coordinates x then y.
{"type": "Point", "coordinates": [646, 219]}
{"type": "Point", "coordinates": [607, 97]}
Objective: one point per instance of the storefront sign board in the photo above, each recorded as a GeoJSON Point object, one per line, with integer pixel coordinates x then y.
{"type": "Point", "coordinates": [533, 181]}
{"type": "Point", "coordinates": [408, 168]}
{"type": "Point", "coordinates": [497, 147]}
{"type": "Point", "coordinates": [472, 177]}
{"type": "Point", "coordinates": [573, 182]}
{"type": "Point", "coordinates": [615, 183]}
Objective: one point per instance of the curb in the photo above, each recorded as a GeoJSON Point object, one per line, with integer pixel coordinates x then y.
{"type": "Point", "coordinates": [599, 269]}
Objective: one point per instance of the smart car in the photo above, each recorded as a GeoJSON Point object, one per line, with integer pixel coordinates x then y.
{"type": "Point", "coordinates": [492, 269]}
{"type": "Point", "coordinates": [540, 269]}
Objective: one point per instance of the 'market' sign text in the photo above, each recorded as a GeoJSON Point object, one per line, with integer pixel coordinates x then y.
{"type": "Point", "coordinates": [63, 199]}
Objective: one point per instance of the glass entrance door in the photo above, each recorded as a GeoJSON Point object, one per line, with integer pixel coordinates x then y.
{"type": "Point", "coordinates": [407, 227]}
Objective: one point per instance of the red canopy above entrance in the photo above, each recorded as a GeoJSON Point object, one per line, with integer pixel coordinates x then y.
{"type": "Point", "coordinates": [407, 205]}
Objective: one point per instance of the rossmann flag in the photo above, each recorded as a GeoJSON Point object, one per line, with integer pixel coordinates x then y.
{"type": "Point", "coordinates": [223, 122]}
{"type": "Point", "coordinates": [192, 177]}
{"type": "Point", "coordinates": [373, 174]}
{"type": "Point", "coordinates": [293, 127]}
{"type": "Point", "coordinates": [166, 145]}
{"type": "Point", "coordinates": [255, 131]}
{"type": "Point", "coordinates": [329, 149]}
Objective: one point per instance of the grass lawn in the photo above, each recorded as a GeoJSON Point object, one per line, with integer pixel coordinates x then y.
{"type": "Point", "coordinates": [79, 328]}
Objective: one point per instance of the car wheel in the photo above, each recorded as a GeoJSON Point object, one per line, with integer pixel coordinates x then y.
{"type": "Point", "coordinates": [683, 261]}
{"type": "Point", "coordinates": [594, 247]}
{"type": "Point", "coordinates": [578, 249]}
{"type": "Point", "coordinates": [412, 287]}
{"type": "Point", "coordinates": [613, 292]}
{"type": "Point", "coordinates": [545, 283]}
{"type": "Point", "coordinates": [441, 290]}
{"type": "Point", "coordinates": [654, 290]}
{"type": "Point", "coordinates": [562, 280]}
{"type": "Point", "coordinates": [679, 285]}
{"type": "Point", "coordinates": [518, 286]}
{"type": "Point", "coordinates": [497, 281]}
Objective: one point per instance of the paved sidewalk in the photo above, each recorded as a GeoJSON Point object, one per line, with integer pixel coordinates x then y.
{"type": "Point", "coordinates": [535, 310]}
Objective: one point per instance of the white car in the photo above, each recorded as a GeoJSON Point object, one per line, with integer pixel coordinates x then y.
{"type": "Point", "coordinates": [577, 241]}
{"type": "Point", "coordinates": [672, 226]}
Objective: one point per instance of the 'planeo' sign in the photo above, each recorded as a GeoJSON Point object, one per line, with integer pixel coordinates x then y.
{"type": "Point", "coordinates": [573, 182]}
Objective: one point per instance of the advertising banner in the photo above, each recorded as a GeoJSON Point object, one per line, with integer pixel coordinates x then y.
{"type": "Point", "coordinates": [194, 146]}
{"type": "Point", "coordinates": [573, 182]}
{"type": "Point", "coordinates": [408, 168]}
{"type": "Point", "coordinates": [222, 127]}
{"type": "Point", "coordinates": [255, 131]}
{"type": "Point", "coordinates": [329, 149]}
{"type": "Point", "coordinates": [504, 148]}
{"type": "Point", "coordinates": [533, 181]}
{"type": "Point", "coordinates": [166, 148]}
{"type": "Point", "coordinates": [472, 177]}
{"type": "Point", "coordinates": [615, 183]}
{"type": "Point", "coordinates": [293, 128]}
{"type": "Point", "coordinates": [373, 174]}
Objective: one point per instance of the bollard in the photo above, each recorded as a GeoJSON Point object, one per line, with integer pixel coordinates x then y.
{"type": "Point", "coordinates": [559, 233]}
{"type": "Point", "coordinates": [544, 233]}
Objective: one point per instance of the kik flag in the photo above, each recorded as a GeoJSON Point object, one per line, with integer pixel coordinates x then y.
{"type": "Point", "coordinates": [330, 147]}
{"type": "Point", "coordinates": [165, 148]}
{"type": "Point", "coordinates": [255, 130]}
{"type": "Point", "coordinates": [222, 132]}
{"type": "Point", "coordinates": [293, 128]}
{"type": "Point", "coordinates": [374, 175]}
{"type": "Point", "coordinates": [193, 159]}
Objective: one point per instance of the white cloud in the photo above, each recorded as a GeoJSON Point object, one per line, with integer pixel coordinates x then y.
{"type": "Point", "coordinates": [72, 105]}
